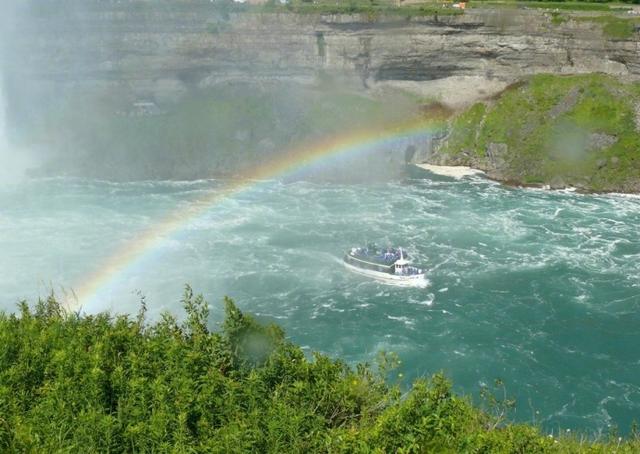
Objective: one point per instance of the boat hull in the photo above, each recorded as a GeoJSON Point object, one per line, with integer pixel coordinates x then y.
{"type": "Point", "coordinates": [414, 280]}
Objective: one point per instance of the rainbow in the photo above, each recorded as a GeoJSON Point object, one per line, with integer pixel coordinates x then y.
{"type": "Point", "coordinates": [132, 252]}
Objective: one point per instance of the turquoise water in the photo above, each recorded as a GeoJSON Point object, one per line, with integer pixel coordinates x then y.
{"type": "Point", "coordinates": [540, 289]}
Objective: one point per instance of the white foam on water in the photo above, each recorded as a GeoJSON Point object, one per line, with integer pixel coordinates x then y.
{"type": "Point", "coordinates": [403, 319]}
{"type": "Point", "coordinates": [623, 195]}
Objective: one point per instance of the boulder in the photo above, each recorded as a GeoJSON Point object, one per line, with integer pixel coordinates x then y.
{"type": "Point", "coordinates": [557, 182]}
{"type": "Point", "coordinates": [599, 141]}
{"type": "Point", "coordinates": [565, 104]}
{"type": "Point", "coordinates": [496, 153]}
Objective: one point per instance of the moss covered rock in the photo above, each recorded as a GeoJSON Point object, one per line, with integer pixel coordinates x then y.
{"type": "Point", "coordinates": [559, 131]}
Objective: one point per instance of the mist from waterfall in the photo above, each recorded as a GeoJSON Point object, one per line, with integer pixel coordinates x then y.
{"type": "Point", "coordinates": [14, 161]}
{"type": "Point", "coordinates": [4, 148]}
{"type": "Point", "coordinates": [6, 161]}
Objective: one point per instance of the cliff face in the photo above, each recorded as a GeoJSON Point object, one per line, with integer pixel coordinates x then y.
{"type": "Point", "coordinates": [162, 50]}
{"type": "Point", "coordinates": [183, 89]}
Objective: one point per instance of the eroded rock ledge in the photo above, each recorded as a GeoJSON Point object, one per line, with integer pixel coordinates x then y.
{"type": "Point", "coordinates": [163, 50]}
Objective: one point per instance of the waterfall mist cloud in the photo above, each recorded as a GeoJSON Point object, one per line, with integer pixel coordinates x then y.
{"type": "Point", "coordinates": [13, 161]}
{"type": "Point", "coordinates": [144, 90]}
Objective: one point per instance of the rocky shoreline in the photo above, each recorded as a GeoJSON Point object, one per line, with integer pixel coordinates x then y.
{"type": "Point", "coordinates": [459, 172]}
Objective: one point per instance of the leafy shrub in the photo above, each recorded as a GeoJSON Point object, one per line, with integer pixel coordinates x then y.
{"type": "Point", "coordinates": [102, 383]}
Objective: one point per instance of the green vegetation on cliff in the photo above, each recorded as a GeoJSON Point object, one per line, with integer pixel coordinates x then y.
{"type": "Point", "coordinates": [552, 4]}
{"type": "Point", "coordinates": [613, 26]}
{"type": "Point", "coordinates": [372, 9]}
{"type": "Point", "coordinates": [103, 383]}
{"type": "Point", "coordinates": [581, 131]}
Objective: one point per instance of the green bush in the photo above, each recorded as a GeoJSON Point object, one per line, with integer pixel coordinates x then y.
{"type": "Point", "coordinates": [102, 383]}
{"type": "Point", "coordinates": [557, 18]}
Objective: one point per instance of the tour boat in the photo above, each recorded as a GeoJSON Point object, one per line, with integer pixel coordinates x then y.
{"type": "Point", "coordinates": [390, 265]}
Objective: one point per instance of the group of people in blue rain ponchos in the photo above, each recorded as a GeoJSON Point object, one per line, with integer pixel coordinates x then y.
{"type": "Point", "coordinates": [388, 255]}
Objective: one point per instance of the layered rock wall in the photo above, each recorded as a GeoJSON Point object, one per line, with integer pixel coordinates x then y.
{"type": "Point", "coordinates": [162, 50]}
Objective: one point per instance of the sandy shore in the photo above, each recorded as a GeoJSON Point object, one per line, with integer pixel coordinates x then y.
{"type": "Point", "coordinates": [451, 171]}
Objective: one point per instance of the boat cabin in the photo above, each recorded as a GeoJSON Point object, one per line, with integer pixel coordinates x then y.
{"type": "Point", "coordinates": [402, 267]}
